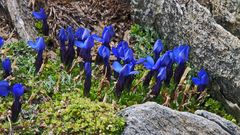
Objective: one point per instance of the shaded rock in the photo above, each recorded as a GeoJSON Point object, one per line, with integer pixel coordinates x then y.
{"type": "Point", "coordinates": [22, 19]}
{"type": "Point", "coordinates": [225, 124]}
{"type": "Point", "coordinates": [153, 119]}
{"type": "Point", "coordinates": [226, 13]}
{"type": "Point", "coordinates": [212, 46]}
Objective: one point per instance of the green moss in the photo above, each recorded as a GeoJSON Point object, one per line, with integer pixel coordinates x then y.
{"type": "Point", "coordinates": [53, 101]}
{"type": "Point", "coordinates": [216, 107]}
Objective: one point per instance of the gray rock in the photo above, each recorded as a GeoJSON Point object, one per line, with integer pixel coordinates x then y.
{"type": "Point", "coordinates": [22, 19]}
{"type": "Point", "coordinates": [213, 47]}
{"type": "Point", "coordinates": [225, 124]}
{"type": "Point", "coordinates": [153, 119]}
{"type": "Point", "coordinates": [226, 13]}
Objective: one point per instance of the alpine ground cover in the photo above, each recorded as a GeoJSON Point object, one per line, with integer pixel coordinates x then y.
{"type": "Point", "coordinates": [56, 85]}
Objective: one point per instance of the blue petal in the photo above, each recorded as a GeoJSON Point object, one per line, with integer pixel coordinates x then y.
{"type": "Point", "coordinates": [117, 66]}
{"type": "Point", "coordinates": [32, 45]}
{"type": "Point", "coordinates": [40, 43]}
{"type": "Point", "coordinates": [115, 52]}
{"type": "Point", "coordinates": [158, 46]}
{"type": "Point", "coordinates": [196, 81]}
{"type": "Point", "coordinates": [125, 70]}
{"type": "Point", "coordinates": [204, 79]}
{"type": "Point", "coordinates": [150, 60]}
{"type": "Point", "coordinates": [141, 60]}
{"type": "Point", "coordinates": [7, 65]}
{"type": "Point", "coordinates": [79, 44]}
{"type": "Point", "coordinates": [133, 73]}
{"type": "Point", "coordinates": [97, 38]}
{"type": "Point", "coordinates": [86, 34]}
{"type": "Point", "coordinates": [1, 42]}
{"type": "Point", "coordinates": [89, 43]}
{"type": "Point", "coordinates": [18, 90]}
{"type": "Point", "coordinates": [202, 72]}
{"type": "Point", "coordinates": [4, 88]}
{"type": "Point", "coordinates": [40, 15]}
{"type": "Point", "coordinates": [162, 74]}
{"type": "Point", "coordinates": [62, 35]}
{"type": "Point", "coordinates": [128, 55]}
{"type": "Point", "coordinates": [87, 68]}
{"type": "Point", "coordinates": [104, 52]}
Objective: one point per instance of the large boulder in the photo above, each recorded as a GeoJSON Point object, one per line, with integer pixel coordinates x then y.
{"type": "Point", "coordinates": [212, 46]}
{"type": "Point", "coordinates": [226, 13]}
{"type": "Point", "coordinates": [153, 119]}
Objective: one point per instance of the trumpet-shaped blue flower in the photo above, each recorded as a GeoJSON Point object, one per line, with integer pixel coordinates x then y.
{"type": "Point", "coordinates": [157, 49]}
{"type": "Point", "coordinates": [86, 47]}
{"type": "Point", "coordinates": [180, 54]}
{"type": "Point", "coordinates": [62, 37]}
{"type": "Point", "coordinates": [70, 53]}
{"type": "Point", "coordinates": [88, 77]}
{"type": "Point", "coordinates": [4, 88]}
{"type": "Point", "coordinates": [39, 46]}
{"type": "Point", "coordinates": [18, 91]}
{"type": "Point", "coordinates": [107, 34]}
{"type": "Point", "coordinates": [41, 15]}
{"type": "Point", "coordinates": [1, 42]}
{"type": "Point", "coordinates": [149, 63]}
{"type": "Point", "coordinates": [124, 71]}
{"type": "Point", "coordinates": [6, 64]}
{"type": "Point", "coordinates": [169, 68]}
{"type": "Point", "coordinates": [201, 80]}
{"type": "Point", "coordinates": [82, 34]}
{"type": "Point", "coordinates": [104, 52]}
{"type": "Point", "coordinates": [162, 75]}
{"type": "Point", "coordinates": [118, 51]}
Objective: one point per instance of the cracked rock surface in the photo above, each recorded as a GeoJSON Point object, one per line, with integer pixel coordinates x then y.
{"type": "Point", "coordinates": [153, 119]}
{"type": "Point", "coordinates": [212, 46]}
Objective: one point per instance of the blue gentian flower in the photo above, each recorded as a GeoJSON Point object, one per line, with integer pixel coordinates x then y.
{"type": "Point", "coordinates": [18, 91]}
{"type": "Point", "coordinates": [157, 49]}
{"type": "Point", "coordinates": [88, 77]}
{"type": "Point", "coordinates": [1, 42]}
{"type": "Point", "coordinates": [82, 34]}
{"type": "Point", "coordinates": [163, 61]}
{"type": "Point", "coordinates": [70, 53]}
{"type": "Point", "coordinates": [6, 64]}
{"type": "Point", "coordinates": [86, 47]}
{"type": "Point", "coordinates": [39, 46]}
{"type": "Point", "coordinates": [162, 75]}
{"type": "Point", "coordinates": [62, 37]}
{"type": "Point", "coordinates": [124, 71]}
{"type": "Point", "coordinates": [169, 68]}
{"type": "Point", "coordinates": [107, 34]}
{"type": "Point", "coordinates": [105, 39]}
{"type": "Point", "coordinates": [202, 80]}
{"type": "Point", "coordinates": [128, 56]}
{"type": "Point", "coordinates": [41, 15]}
{"type": "Point", "coordinates": [118, 51]}
{"type": "Point", "coordinates": [180, 54]}
{"type": "Point", "coordinates": [104, 52]}
{"type": "Point", "coordinates": [4, 88]}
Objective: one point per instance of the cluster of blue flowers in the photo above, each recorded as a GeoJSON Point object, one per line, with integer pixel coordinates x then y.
{"type": "Point", "coordinates": [160, 66]}
{"type": "Point", "coordinates": [17, 89]}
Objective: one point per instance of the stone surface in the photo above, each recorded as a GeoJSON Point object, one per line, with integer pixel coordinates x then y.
{"type": "Point", "coordinates": [22, 19]}
{"type": "Point", "coordinates": [212, 46]}
{"type": "Point", "coordinates": [226, 13]}
{"type": "Point", "coordinates": [153, 119]}
{"type": "Point", "coordinates": [225, 124]}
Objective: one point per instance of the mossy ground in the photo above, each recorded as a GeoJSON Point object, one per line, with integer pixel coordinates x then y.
{"type": "Point", "coordinates": [54, 102]}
